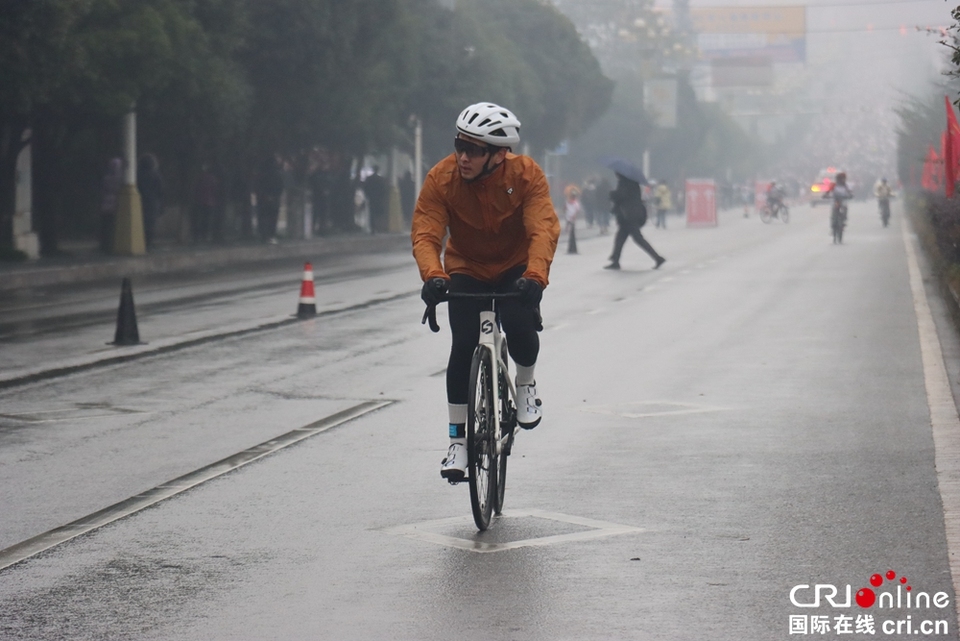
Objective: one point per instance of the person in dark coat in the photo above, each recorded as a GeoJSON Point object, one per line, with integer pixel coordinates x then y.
{"type": "Point", "coordinates": [150, 186]}
{"type": "Point", "coordinates": [206, 204]}
{"type": "Point", "coordinates": [408, 197]}
{"type": "Point", "coordinates": [269, 191]}
{"type": "Point", "coordinates": [631, 215]}
{"type": "Point", "coordinates": [376, 190]}
{"type": "Point", "coordinates": [109, 201]}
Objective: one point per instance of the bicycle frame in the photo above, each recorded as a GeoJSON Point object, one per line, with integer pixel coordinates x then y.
{"type": "Point", "coordinates": [491, 339]}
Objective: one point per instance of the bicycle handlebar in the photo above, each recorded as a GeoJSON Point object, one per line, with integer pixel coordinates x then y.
{"type": "Point", "coordinates": [430, 313]}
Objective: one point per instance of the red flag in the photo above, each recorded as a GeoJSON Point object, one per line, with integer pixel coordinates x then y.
{"type": "Point", "coordinates": [952, 124]}
{"type": "Point", "coordinates": [951, 149]}
{"type": "Point", "coordinates": [931, 171]}
{"type": "Point", "coordinates": [948, 170]}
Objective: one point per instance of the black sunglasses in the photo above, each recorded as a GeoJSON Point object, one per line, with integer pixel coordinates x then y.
{"type": "Point", "coordinates": [472, 150]}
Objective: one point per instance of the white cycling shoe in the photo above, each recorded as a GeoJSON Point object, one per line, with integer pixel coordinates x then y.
{"type": "Point", "coordinates": [454, 467]}
{"type": "Point", "coordinates": [528, 406]}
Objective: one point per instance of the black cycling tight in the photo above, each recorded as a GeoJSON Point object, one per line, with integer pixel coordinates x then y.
{"type": "Point", "coordinates": [519, 323]}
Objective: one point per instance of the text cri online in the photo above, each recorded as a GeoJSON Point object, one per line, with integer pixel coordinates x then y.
{"type": "Point", "coordinates": [801, 596]}
{"type": "Point", "coordinates": [864, 624]}
{"type": "Point", "coordinates": [807, 596]}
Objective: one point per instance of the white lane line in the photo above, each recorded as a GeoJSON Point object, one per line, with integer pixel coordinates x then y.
{"type": "Point", "coordinates": [656, 408]}
{"type": "Point", "coordinates": [943, 414]}
{"type": "Point", "coordinates": [25, 549]}
{"type": "Point", "coordinates": [33, 420]}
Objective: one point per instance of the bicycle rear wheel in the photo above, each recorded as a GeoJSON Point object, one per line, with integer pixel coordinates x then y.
{"type": "Point", "coordinates": [481, 441]}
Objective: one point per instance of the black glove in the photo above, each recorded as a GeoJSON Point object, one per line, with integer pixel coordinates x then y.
{"type": "Point", "coordinates": [530, 292]}
{"type": "Point", "coordinates": [434, 291]}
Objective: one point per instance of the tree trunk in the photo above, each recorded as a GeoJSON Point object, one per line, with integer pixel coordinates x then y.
{"type": "Point", "coordinates": [11, 143]}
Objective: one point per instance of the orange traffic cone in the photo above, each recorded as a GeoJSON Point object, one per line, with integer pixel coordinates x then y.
{"type": "Point", "coordinates": [308, 301]}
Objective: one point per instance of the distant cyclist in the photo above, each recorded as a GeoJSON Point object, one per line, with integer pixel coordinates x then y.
{"type": "Point", "coordinates": [840, 193]}
{"type": "Point", "coordinates": [883, 193]}
{"type": "Point", "coordinates": [774, 197]}
{"type": "Point", "coordinates": [495, 210]}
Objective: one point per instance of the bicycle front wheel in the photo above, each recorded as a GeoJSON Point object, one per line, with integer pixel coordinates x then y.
{"type": "Point", "coordinates": [481, 438]}
{"type": "Point", "coordinates": [765, 214]}
{"type": "Point", "coordinates": [785, 214]}
{"type": "Point", "coordinates": [508, 421]}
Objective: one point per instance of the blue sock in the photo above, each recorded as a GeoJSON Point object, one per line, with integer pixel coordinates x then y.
{"type": "Point", "coordinates": [458, 430]}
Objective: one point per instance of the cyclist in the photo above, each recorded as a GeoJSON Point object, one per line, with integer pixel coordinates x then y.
{"type": "Point", "coordinates": [883, 193]}
{"type": "Point", "coordinates": [495, 210]}
{"type": "Point", "coordinates": [774, 197]}
{"type": "Point", "coordinates": [840, 193]}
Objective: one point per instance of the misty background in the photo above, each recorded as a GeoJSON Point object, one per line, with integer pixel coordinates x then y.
{"type": "Point", "coordinates": [839, 107]}
{"type": "Point", "coordinates": [334, 89]}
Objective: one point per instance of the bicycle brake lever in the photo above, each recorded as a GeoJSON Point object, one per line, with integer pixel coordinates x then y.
{"type": "Point", "coordinates": [430, 314]}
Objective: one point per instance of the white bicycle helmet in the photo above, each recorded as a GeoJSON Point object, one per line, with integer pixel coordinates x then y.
{"type": "Point", "coordinates": [490, 123]}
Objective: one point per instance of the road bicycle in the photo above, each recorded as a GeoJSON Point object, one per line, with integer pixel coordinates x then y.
{"type": "Point", "coordinates": [775, 210]}
{"type": "Point", "coordinates": [491, 410]}
{"type": "Point", "coordinates": [838, 220]}
{"type": "Point", "coordinates": [884, 210]}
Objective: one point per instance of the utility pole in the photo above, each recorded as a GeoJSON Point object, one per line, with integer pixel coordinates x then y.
{"type": "Point", "coordinates": [128, 234]}
{"type": "Point", "coordinates": [417, 157]}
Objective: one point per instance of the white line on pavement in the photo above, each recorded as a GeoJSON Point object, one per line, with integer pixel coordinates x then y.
{"type": "Point", "coordinates": [26, 549]}
{"type": "Point", "coordinates": [943, 413]}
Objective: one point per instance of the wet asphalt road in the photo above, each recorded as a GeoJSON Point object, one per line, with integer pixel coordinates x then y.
{"type": "Point", "coordinates": [749, 418]}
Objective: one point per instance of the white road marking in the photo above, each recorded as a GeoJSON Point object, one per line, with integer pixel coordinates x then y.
{"type": "Point", "coordinates": [427, 531]}
{"type": "Point", "coordinates": [25, 549]}
{"type": "Point", "coordinates": [943, 414]}
{"type": "Point", "coordinates": [70, 414]}
{"type": "Point", "coordinates": [620, 409]}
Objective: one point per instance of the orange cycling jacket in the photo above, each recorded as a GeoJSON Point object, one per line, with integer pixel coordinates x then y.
{"type": "Point", "coordinates": [496, 223]}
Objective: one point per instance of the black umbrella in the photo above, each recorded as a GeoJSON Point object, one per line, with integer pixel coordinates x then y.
{"type": "Point", "coordinates": [625, 168]}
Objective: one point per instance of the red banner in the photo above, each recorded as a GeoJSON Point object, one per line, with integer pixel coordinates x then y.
{"type": "Point", "coordinates": [701, 202]}
{"type": "Point", "coordinates": [932, 171]}
{"type": "Point", "coordinates": [950, 148]}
